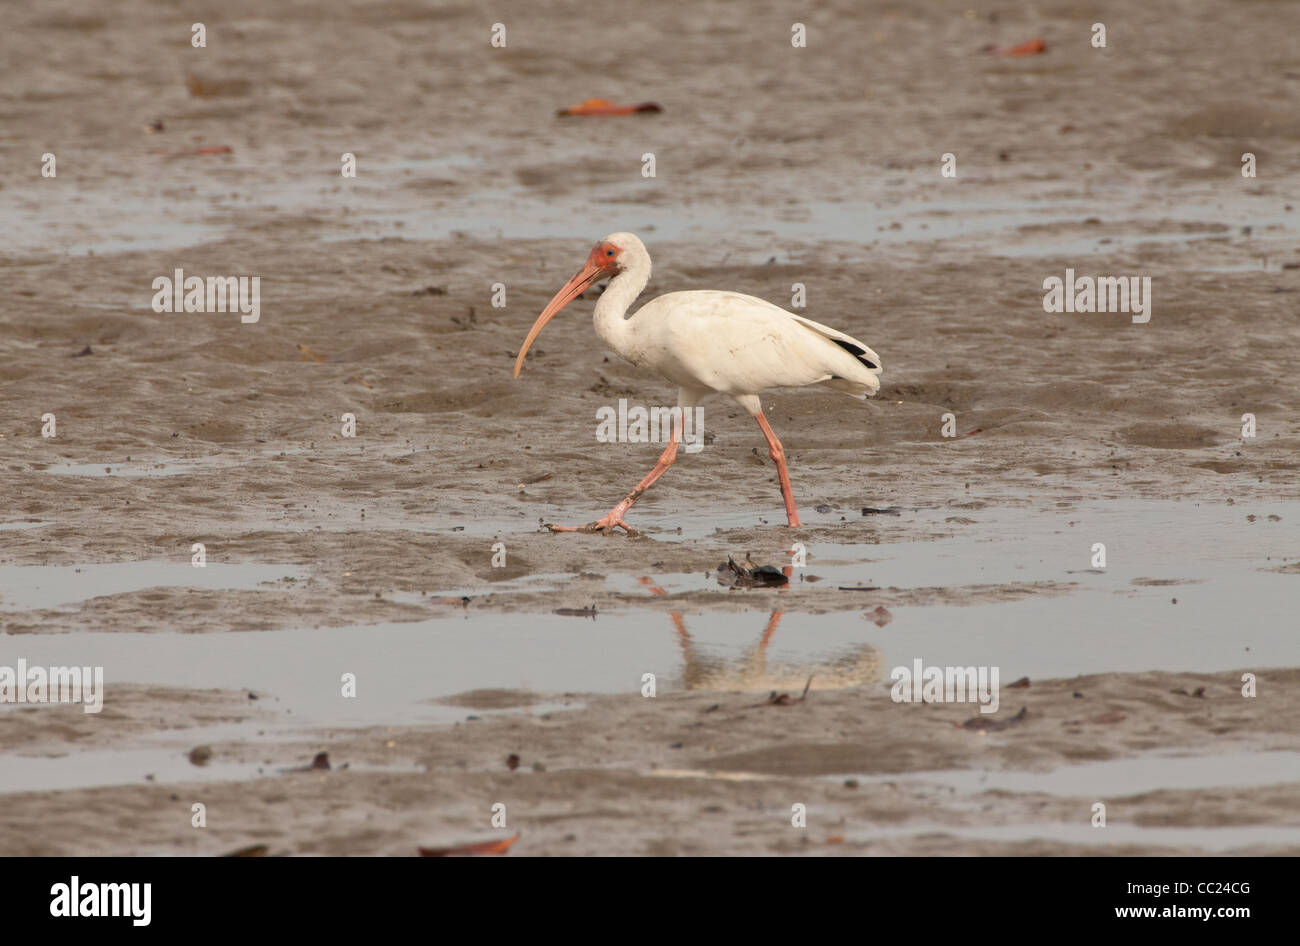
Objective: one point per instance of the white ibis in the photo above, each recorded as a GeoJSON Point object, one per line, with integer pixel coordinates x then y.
{"type": "Point", "coordinates": [706, 342]}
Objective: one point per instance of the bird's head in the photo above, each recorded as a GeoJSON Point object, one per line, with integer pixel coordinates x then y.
{"type": "Point", "coordinates": [609, 257]}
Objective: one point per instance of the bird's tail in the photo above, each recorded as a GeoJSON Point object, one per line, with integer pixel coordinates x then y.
{"type": "Point", "coordinates": [854, 388]}
{"type": "Point", "coordinates": [857, 378]}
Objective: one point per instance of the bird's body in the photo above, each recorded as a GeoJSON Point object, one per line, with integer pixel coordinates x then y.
{"type": "Point", "coordinates": [709, 341]}
{"type": "Point", "coordinates": [752, 345]}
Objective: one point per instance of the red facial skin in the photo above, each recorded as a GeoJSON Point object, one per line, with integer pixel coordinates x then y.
{"type": "Point", "coordinates": [601, 257]}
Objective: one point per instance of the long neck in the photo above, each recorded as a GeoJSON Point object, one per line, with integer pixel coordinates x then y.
{"type": "Point", "coordinates": [611, 308]}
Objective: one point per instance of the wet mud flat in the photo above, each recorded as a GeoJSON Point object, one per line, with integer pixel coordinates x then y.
{"type": "Point", "coordinates": [1181, 762]}
{"type": "Point", "coordinates": [377, 555]}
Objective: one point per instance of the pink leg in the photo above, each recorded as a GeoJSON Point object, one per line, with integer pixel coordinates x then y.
{"type": "Point", "coordinates": [777, 453]}
{"type": "Point", "coordinates": [615, 517]}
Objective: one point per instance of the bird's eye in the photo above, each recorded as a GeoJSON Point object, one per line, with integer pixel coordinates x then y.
{"type": "Point", "coordinates": [609, 252]}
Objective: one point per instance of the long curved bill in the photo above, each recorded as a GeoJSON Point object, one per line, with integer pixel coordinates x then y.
{"type": "Point", "coordinates": [586, 277]}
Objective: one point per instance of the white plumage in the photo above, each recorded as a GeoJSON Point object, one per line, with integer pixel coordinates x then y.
{"type": "Point", "coordinates": [708, 341]}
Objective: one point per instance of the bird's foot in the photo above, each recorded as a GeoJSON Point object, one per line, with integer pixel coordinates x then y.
{"type": "Point", "coordinates": [609, 525]}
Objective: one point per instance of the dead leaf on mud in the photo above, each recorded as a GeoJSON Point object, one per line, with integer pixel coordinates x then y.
{"type": "Point", "coordinates": [499, 846]}
{"type": "Point", "coordinates": [599, 107]}
{"type": "Point", "coordinates": [984, 724]}
{"type": "Point", "coordinates": [1029, 48]}
{"type": "Point", "coordinates": [196, 152]}
{"type": "Point", "coordinates": [253, 850]}
{"type": "Point", "coordinates": [1198, 693]}
{"type": "Point", "coordinates": [214, 88]}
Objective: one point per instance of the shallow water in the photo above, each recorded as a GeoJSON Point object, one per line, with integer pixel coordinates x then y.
{"type": "Point", "coordinates": [1117, 778]}
{"type": "Point", "coordinates": [1214, 839]}
{"type": "Point", "coordinates": [27, 587]}
{"type": "Point", "coordinates": [1218, 565]}
{"type": "Point", "coordinates": [1210, 557]}
{"type": "Point", "coordinates": [995, 226]}
{"type": "Point", "coordinates": [899, 208]}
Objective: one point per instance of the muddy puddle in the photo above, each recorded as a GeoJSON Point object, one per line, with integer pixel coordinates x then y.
{"type": "Point", "coordinates": [29, 587]}
{"type": "Point", "coordinates": [1114, 835]}
{"type": "Point", "coordinates": [1208, 558]}
{"type": "Point", "coordinates": [1116, 778]}
{"type": "Point", "coordinates": [1004, 228]}
{"type": "Point", "coordinates": [899, 209]}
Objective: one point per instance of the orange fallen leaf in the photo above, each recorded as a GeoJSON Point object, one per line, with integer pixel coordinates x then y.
{"type": "Point", "coordinates": [310, 355]}
{"type": "Point", "coordinates": [253, 850]}
{"type": "Point", "coordinates": [209, 88]}
{"type": "Point", "coordinates": [499, 846]}
{"type": "Point", "coordinates": [192, 152]}
{"type": "Point", "coordinates": [359, 380]}
{"type": "Point", "coordinates": [606, 107]}
{"type": "Point", "coordinates": [1031, 48]}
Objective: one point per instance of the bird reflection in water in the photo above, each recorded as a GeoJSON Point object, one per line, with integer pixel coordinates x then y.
{"type": "Point", "coordinates": [702, 670]}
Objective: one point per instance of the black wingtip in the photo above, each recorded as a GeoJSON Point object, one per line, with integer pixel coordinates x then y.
{"type": "Point", "coordinates": [857, 352]}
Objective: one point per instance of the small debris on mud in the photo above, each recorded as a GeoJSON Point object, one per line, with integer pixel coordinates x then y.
{"type": "Point", "coordinates": [733, 575]}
